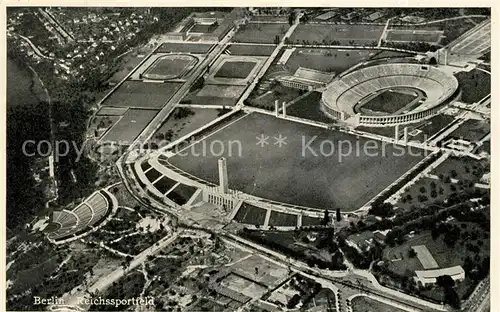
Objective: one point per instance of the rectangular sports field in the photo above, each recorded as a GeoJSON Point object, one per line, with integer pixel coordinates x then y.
{"type": "Point", "coordinates": [260, 32]}
{"type": "Point", "coordinates": [316, 168]}
{"type": "Point", "coordinates": [250, 214]}
{"type": "Point", "coordinates": [328, 60]}
{"type": "Point", "coordinates": [171, 66]}
{"type": "Point", "coordinates": [429, 36]}
{"type": "Point", "coordinates": [226, 95]}
{"type": "Point", "coordinates": [251, 49]}
{"type": "Point", "coordinates": [388, 102]}
{"type": "Point", "coordinates": [130, 126]}
{"type": "Point", "coordinates": [196, 48]}
{"type": "Point", "coordinates": [142, 94]}
{"type": "Point", "coordinates": [203, 28]}
{"type": "Point", "coordinates": [345, 34]}
{"type": "Point", "coordinates": [238, 69]}
{"type": "Point", "coordinates": [282, 219]}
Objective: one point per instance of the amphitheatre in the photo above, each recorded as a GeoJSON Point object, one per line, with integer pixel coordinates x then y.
{"type": "Point", "coordinates": [69, 225]}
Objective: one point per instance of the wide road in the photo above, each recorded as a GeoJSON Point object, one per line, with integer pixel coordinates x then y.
{"type": "Point", "coordinates": [157, 121]}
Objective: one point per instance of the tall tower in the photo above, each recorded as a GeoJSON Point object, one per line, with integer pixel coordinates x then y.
{"type": "Point", "coordinates": [223, 182]}
{"type": "Point", "coordinates": [405, 135]}
{"type": "Point", "coordinates": [396, 133]}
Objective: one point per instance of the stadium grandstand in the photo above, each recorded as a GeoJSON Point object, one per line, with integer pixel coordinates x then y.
{"type": "Point", "coordinates": [69, 224]}
{"type": "Point", "coordinates": [306, 79]}
{"type": "Point", "coordinates": [352, 89]}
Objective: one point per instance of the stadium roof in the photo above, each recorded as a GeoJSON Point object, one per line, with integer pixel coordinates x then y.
{"type": "Point", "coordinates": [456, 271]}
{"type": "Point", "coordinates": [313, 75]}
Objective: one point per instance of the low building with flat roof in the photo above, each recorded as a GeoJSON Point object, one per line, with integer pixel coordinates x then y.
{"type": "Point", "coordinates": [429, 277]}
{"type": "Point", "coordinates": [425, 257]}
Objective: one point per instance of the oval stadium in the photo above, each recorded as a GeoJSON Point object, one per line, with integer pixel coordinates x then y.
{"type": "Point", "coordinates": [389, 94]}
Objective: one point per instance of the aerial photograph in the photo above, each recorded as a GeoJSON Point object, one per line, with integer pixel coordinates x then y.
{"type": "Point", "coordinates": [251, 159]}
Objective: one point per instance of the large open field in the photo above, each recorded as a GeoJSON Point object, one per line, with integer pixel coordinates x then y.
{"type": "Point", "coordinates": [329, 60]}
{"type": "Point", "coordinates": [320, 173]}
{"type": "Point", "coordinates": [197, 48]}
{"type": "Point", "coordinates": [237, 69]}
{"type": "Point", "coordinates": [251, 49]}
{"type": "Point", "coordinates": [130, 126]}
{"type": "Point", "coordinates": [170, 66]}
{"type": "Point", "coordinates": [225, 95]}
{"type": "Point", "coordinates": [429, 36]}
{"type": "Point", "coordinates": [142, 94]}
{"type": "Point", "coordinates": [365, 304]}
{"type": "Point", "coordinates": [344, 34]}
{"type": "Point", "coordinates": [178, 125]}
{"type": "Point", "coordinates": [260, 32]}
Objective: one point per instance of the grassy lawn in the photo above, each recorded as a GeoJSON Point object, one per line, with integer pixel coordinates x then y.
{"type": "Point", "coordinates": [309, 108]}
{"type": "Point", "coordinates": [329, 60]}
{"type": "Point", "coordinates": [409, 35]}
{"type": "Point", "coordinates": [226, 95]}
{"type": "Point", "coordinates": [249, 214]}
{"type": "Point", "coordinates": [388, 102]}
{"type": "Point", "coordinates": [315, 179]}
{"type": "Point", "coordinates": [345, 34]}
{"type": "Point", "coordinates": [175, 127]}
{"type": "Point", "coordinates": [475, 85]}
{"type": "Point", "coordinates": [472, 130]}
{"type": "Point", "coordinates": [203, 28]}
{"type": "Point", "coordinates": [250, 49]}
{"type": "Point", "coordinates": [142, 94]}
{"type": "Point", "coordinates": [130, 126]}
{"type": "Point", "coordinates": [260, 32]}
{"type": "Point", "coordinates": [239, 70]}
{"type": "Point", "coordinates": [282, 219]}
{"type": "Point", "coordinates": [308, 221]}
{"type": "Point", "coordinates": [266, 99]}
{"type": "Point", "coordinates": [452, 28]}
{"type": "Point", "coordinates": [196, 48]}
{"type": "Point", "coordinates": [169, 66]}
{"type": "Point", "coordinates": [164, 184]}
{"type": "Point", "coordinates": [181, 193]}
{"type": "Point", "coordinates": [429, 127]}
{"type": "Point", "coordinates": [365, 304]}
{"type": "Point", "coordinates": [129, 62]}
